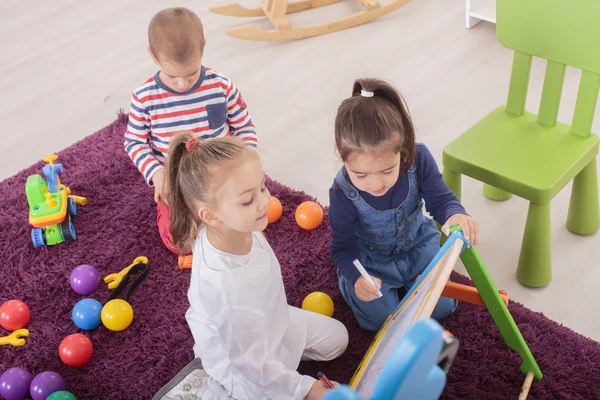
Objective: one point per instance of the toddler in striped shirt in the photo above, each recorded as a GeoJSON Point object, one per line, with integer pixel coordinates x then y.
{"type": "Point", "coordinates": [183, 96]}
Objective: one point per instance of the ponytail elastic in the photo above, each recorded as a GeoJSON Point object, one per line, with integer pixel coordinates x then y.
{"type": "Point", "coordinates": [191, 143]}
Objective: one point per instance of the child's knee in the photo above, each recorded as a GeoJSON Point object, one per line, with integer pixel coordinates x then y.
{"type": "Point", "coordinates": [340, 333]}
{"type": "Point", "coordinates": [163, 221]}
{"type": "Point", "coordinates": [372, 315]}
{"type": "Point", "coordinates": [167, 240]}
{"type": "Point", "coordinates": [373, 322]}
{"type": "Point", "coordinates": [444, 307]}
{"type": "Point", "coordinates": [333, 343]}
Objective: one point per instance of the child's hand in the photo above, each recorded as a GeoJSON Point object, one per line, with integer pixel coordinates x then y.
{"type": "Point", "coordinates": [469, 226]}
{"type": "Point", "coordinates": [318, 390]}
{"type": "Point", "coordinates": [365, 291]}
{"type": "Point", "coordinates": [158, 180]}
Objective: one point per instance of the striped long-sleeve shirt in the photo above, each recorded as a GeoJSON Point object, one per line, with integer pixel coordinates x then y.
{"type": "Point", "coordinates": [212, 108]}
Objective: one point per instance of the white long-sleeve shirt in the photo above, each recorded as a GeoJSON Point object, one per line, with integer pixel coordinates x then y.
{"type": "Point", "coordinates": [247, 336]}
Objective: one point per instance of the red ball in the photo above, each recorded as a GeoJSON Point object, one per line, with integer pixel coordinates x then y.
{"type": "Point", "coordinates": [75, 350]}
{"type": "Point", "coordinates": [14, 314]}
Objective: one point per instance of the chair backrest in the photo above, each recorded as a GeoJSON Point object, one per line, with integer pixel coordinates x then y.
{"type": "Point", "coordinates": [565, 33]}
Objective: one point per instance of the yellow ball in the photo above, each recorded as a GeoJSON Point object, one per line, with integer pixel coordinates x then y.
{"type": "Point", "coordinates": [117, 315]}
{"type": "Point", "coordinates": [318, 302]}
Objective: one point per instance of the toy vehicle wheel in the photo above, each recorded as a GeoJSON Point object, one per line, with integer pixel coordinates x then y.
{"type": "Point", "coordinates": [72, 207]}
{"type": "Point", "coordinates": [37, 237]}
{"type": "Point", "coordinates": [68, 230]}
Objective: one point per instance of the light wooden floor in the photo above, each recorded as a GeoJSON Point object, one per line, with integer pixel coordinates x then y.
{"type": "Point", "coordinates": [68, 66]}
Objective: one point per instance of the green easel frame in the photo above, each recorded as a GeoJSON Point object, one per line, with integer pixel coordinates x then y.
{"type": "Point", "coordinates": [501, 316]}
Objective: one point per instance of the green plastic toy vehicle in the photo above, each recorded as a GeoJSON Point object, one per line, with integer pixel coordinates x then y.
{"type": "Point", "coordinates": [52, 208]}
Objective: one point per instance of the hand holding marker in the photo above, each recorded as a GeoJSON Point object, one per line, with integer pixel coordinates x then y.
{"type": "Point", "coordinates": [326, 382]}
{"type": "Point", "coordinates": [365, 275]}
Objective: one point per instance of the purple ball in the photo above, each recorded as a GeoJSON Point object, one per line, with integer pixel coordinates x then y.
{"type": "Point", "coordinates": [14, 384]}
{"type": "Point", "coordinates": [85, 279]}
{"type": "Point", "coordinates": [44, 384]}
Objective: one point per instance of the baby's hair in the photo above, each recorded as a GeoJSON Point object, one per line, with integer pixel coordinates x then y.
{"type": "Point", "coordinates": [192, 175]}
{"type": "Point", "coordinates": [176, 34]}
{"type": "Point", "coordinates": [374, 118]}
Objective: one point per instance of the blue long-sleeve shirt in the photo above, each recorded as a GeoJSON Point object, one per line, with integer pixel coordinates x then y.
{"type": "Point", "coordinates": [440, 202]}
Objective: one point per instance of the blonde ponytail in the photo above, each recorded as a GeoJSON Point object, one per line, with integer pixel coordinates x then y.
{"type": "Point", "coordinates": [192, 171]}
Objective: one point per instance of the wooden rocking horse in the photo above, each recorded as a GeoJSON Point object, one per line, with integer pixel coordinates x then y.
{"type": "Point", "coordinates": [277, 10]}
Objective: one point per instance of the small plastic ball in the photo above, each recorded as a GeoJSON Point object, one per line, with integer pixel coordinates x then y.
{"type": "Point", "coordinates": [86, 314]}
{"type": "Point", "coordinates": [309, 215]}
{"type": "Point", "coordinates": [75, 350]}
{"type": "Point", "coordinates": [14, 314]}
{"type": "Point", "coordinates": [61, 395]}
{"type": "Point", "coordinates": [85, 279]}
{"type": "Point", "coordinates": [44, 384]}
{"type": "Point", "coordinates": [274, 211]}
{"type": "Point", "coordinates": [14, 384]}
{"type": "Point", "coordinates": [318, 302]}
{"type": "Point", "coordinates": [117, 315]}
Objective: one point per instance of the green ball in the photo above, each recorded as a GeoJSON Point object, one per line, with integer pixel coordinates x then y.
{"type": "Point", "coordinates": [61, 395]}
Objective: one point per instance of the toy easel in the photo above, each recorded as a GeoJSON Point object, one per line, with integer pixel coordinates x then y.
{"type": "Point", "coordinates": [421, 299]}
{"type": "Point", "coordinates": [277, 10]}
{"type": "Point", "coordinates": [495, 303]}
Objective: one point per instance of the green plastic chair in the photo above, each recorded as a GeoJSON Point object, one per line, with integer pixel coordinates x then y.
{"type": "Point", "coordinates": [534, 156]}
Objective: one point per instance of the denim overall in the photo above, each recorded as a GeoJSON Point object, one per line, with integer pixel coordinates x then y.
{"type": "Point", "coordinates": [395, 246]}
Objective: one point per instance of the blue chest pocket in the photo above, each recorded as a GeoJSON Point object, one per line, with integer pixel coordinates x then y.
{"type": "Point", "coordinates": [217, 115]}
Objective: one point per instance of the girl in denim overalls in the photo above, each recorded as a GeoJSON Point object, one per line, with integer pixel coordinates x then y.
{"type": "Point", "coordinates": [376, 204]}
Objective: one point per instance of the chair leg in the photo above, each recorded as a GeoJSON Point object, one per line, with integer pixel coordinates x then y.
{"type": "Point", "coordinates": [493, 193]}
{"type": "Point", "coordinates": [535, 263]}
{"type": "Point", "coordinates": [453, 180]}
{"type": "Point", "coordinates": [584, 210]}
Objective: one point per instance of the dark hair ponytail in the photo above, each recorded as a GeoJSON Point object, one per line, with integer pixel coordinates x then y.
{"type": "Point", "coordinates": [192, 172]}
{"type": "Point", "coordinates": [374, 116]}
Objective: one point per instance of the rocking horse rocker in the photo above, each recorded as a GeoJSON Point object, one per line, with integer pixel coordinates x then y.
{"type": "Point", "coordinates": [277, 10]}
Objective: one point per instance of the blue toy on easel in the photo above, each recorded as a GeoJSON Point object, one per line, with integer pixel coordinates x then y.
{"type": "Point", "coordinates": [416, 369]}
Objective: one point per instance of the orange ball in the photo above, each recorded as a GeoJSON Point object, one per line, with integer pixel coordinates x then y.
{"type": "Point", "coordinates": [309, 215]}
{"type": "Point", "coordinates": [274, 211]}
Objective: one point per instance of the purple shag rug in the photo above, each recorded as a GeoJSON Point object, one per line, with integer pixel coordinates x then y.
{"type": "Point", "coordinates": [118, 224]}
